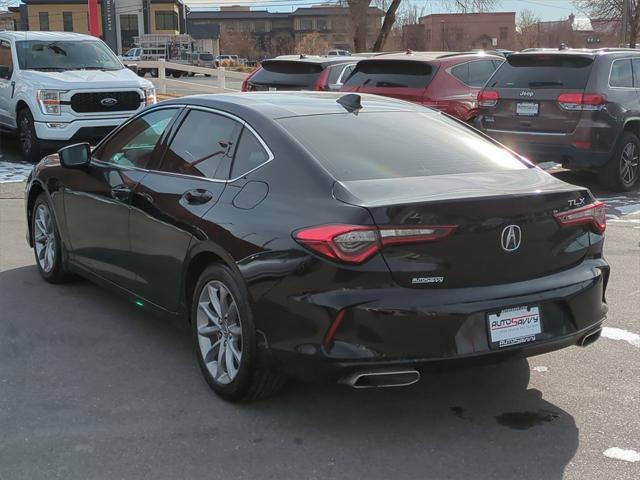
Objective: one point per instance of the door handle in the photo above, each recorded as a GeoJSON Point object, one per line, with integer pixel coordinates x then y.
{"type": "Point", "coordinates": [198, 196]}
{"type": "Point", "coordinates": [121, 192]}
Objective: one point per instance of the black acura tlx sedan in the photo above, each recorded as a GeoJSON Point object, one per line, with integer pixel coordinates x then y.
{"type": "Point", "coordinates": [330, 237]}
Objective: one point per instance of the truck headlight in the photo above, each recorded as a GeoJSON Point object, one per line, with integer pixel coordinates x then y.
{"type": "Point", "coordinates": [149, 96]}
{"type": "Point", "coordinates": [49, 101]}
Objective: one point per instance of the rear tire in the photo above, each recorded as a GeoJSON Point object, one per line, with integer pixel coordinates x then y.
{"type": "Point", "coordinates": [621, 172]}
{"type": "Point", "coordinates": [226, 341]}
{"type": "Point", "coordinates": [28, 137]}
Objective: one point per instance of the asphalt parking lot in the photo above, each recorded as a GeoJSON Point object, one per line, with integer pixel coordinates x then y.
{"type": "Point", "coordinates": [92, 387]}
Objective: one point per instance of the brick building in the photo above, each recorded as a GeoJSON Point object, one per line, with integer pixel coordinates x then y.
{"type": "Point", "coordinates": [462, 31]}
{"type": "Point", "coordinates": [578, 32]}
{"type": "Point", "coordinates": [272, 29]}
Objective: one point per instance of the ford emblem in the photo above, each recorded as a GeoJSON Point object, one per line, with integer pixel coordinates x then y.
{"type": "Point", "coordinates": [108, 102]}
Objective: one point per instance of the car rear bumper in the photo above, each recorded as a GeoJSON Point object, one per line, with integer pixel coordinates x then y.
{"type": "Point", "coordinates": [403, 327]}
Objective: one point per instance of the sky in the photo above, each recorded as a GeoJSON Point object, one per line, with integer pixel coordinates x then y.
{"type": "Point", "coordinates": [545, 9]}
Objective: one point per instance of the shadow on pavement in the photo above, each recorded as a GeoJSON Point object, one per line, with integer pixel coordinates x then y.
{"type": "Point", "coordinates": [85, 370]}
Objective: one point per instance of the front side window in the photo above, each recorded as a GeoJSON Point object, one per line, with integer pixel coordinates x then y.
{"type": "Point", "coordinates": [6, 60]}
{"type": "Point", "coordinates": [43, 18]}
{"type": "Point", "coordinates": [621, 74]}
{"type": "Point", "coordinates": [134, 144]}
{"type": "Point", "coordinates": [203, 146]}
{"type": "Point", "coordinates": [66, 55]}
{"type": "Point", "coordinates": [250, 154]}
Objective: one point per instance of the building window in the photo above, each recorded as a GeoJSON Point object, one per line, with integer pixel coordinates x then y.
{"type": "Point", "coordinates": [321, 24]}
{"type": "Point", "coordinates": [67, 20]}
{"type": "Point", "coordinates": [44, 20]}
{"type": "Point", "coordinates": [166, 20]}
{"type": "Point", "coordinates": [260, 26]}
{"type": "Point", "coordinates": [504, 33]}
{"type": "Point", "coordinates": [306, 24]}
{"type": "Point", "coordinates": [245, 27]}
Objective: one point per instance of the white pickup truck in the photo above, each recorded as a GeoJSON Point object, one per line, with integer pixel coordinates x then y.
{"type": "Point", "coordinates": [60, 88]}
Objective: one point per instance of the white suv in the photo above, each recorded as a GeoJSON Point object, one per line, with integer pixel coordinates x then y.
{"type": "Point", "coordinates": [59, 88]}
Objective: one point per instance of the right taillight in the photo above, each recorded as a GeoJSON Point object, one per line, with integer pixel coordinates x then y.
{"type": "Point", "coordinates": [593, 214]}
{"type": "Point", "coordinates": [245, 83]}
{"type": "Point", "coordinates": [488, 98]}
{"type": "Point", "coordinates": [581, 101]}
{"type": "Point", "coordinates": [357, 243]}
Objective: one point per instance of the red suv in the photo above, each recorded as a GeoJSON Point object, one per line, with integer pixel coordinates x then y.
{"type": "Point", "coordinates": [447, 81]}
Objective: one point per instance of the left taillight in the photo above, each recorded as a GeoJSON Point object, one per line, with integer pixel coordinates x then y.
{"type": "Point", "coordinates": [357, 243]}
{"type": "Point", "coordinates": [321, 82]}
{"type": "Point", "coordinates": [245, 82]}
{"type": "Point", "coordinates": [488, 98]}
{"type": "Point", "coordinates": [593, 214]}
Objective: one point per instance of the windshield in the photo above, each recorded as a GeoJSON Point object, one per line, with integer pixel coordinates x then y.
{"type": "Point", "coordinates": [66, 55]}
{"type": "Point", "coordinates": [380, 145]}
{"type": "Point", "coordinates": [206, 56]}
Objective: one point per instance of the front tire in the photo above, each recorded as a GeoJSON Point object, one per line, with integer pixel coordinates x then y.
{"type": "Point", "coordinates": [622, 171]}
{"type": "Point", "coordinates": [28, 137]}
{"type": "Point", "coordinates": [47, 246]}
{"type": "Point", "coordinates": [225, 338]}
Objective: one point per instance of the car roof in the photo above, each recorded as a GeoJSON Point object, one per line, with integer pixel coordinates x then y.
{"type": "Point", "coordinates": [274, 105]}
{"type": "Point", "coordinates": [46, 36]}
{"type": "Point", "coordinates": [584, 52]}
{"type": "Point", "coordinates": [316, 59]}
{"type": "Point", "coordinates": [454, 57]}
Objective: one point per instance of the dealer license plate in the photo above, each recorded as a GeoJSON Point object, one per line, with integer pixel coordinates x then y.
{"type": "Point", "coordinates": [514, 326]}
{"type": "Point", "coordinates": [527, 109]}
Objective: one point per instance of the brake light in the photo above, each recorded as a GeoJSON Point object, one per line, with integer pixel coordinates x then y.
{"type": "Point", "coordinates": [245, 82]}
{"type": "Point", "coordinates": [356, 243]}
{"type": "Point", "coordinates": [581, 101]}
{"type": "Point", "coordinates": [321, 82]}
{"type": "Point", "coordinates": [593, 214]}
{"type": "Point", "coordinates": [488, 98]}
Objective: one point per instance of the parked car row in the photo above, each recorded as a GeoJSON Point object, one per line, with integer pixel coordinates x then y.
{"type": "Point", "coordinates": [579, 108]}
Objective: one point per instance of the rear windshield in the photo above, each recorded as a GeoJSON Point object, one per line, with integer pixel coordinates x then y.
{"type": "Point", "coordinates": [391, 74]}
{"type": "Point", "coordinates": [299, 74]}
{"type": "Point", "coordinates": [543, 71]}
{"type": "Point", "coordinates": [381, 145]}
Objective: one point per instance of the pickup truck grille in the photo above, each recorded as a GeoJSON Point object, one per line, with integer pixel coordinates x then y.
{"type": "Point", "coordinates": [104, 102]}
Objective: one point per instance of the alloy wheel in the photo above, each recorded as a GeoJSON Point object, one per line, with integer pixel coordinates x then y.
{"type": "Point", "coordinates": [45, 240]}
{"type": "Point", "coordinates": [219, 332]}
{"type": "Point", "coordinates": [26, 134]}
{"type": "Point", "coordinates": [629, 163]}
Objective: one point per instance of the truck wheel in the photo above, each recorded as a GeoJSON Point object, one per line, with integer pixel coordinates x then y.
{"type": "Point", "coordinates": [622, 171]}
{"type": "Point", "coordinates": [29, 141]}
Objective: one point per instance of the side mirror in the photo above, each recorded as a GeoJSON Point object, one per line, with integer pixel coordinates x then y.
{"type": "Point", "coordinates": [75, 156]}
{"type": "Point", "coordinates": [5, 72]}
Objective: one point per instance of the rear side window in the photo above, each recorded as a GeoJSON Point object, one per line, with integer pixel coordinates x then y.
{"type": "Point", "coordinates": [250, 154]}
{"type": "Point", "coordinates": [288, 73]}
{"type": "Point", "coordinates": [543, 71]}
{"type": "Point", "coordinates": [380, 145]}
{"type": "Point", "coordinates": [391, 74]}
{"type": "Point", "coordinates": [6, 60]}
{"type": "Point", "coordinates": [203, 146]}
{"type": "Point", "coordinates": [621, 74]}
{"type": "Point", "coordinates": [474, 74]}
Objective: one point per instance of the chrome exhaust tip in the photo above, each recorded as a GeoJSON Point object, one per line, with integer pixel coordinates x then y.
{"type": "Point", "coordinates": [589, 338]}
{"type": "Point", "coordinates": [382, 379]}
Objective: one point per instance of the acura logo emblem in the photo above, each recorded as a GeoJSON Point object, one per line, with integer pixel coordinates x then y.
{"type": "Point", "coordinates": [108, 102]}
{"type": "Point", "coordinates": [526, 93]}
{"type": "Point", "coordinates": [511, 238]}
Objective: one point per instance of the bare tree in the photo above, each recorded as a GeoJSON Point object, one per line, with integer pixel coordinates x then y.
{"type": "Point", "coordinates": [238, 43]}
{"type": "Point", "coordinates": [358, 13]}
{"type": "Point", "coordinates": [312, 44]}
{"type": "Point", "coordinates": [613, 10]}
{"type": "Point", "coordinates": [527, 29]}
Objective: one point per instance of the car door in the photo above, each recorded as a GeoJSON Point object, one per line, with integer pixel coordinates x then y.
{"type": "Point", "coordinates": [97, 198]}
{"type": "Point", "coordinates": [169, 201]}
{"type": "Point", "coordinates": [6, 84]}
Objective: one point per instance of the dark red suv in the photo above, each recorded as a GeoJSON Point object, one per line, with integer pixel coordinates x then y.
{"type": "Point", "coordinates": [447, 81]}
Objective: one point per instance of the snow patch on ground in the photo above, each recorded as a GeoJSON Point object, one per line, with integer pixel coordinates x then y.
{"type": "Point", "coordinates": [541, 369]}
{"type": "Point", "coordinates": [620, 334]}
{"type": "Point", "coordinates": [621, 454]}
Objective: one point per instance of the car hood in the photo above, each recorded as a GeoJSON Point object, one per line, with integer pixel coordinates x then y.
{"type": "Point", "coordinates": [89, 79]}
